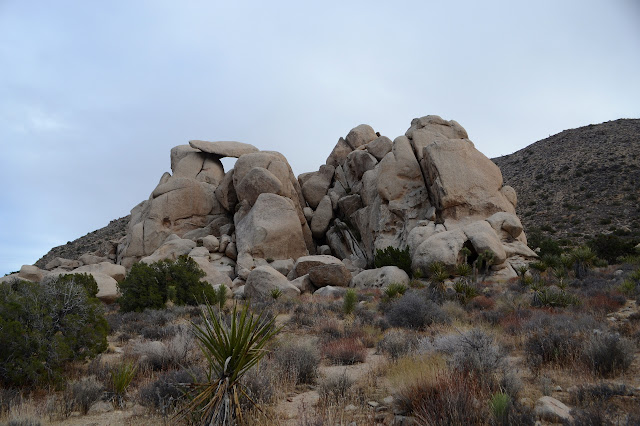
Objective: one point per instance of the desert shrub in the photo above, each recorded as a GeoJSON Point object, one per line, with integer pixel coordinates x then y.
{"type": "Point", "coordinates": [397, 343]}
{"type": "Point", "coordinates": [147, 286]}
{"type": "Point", "coordinates": [611, 247]}
{"type": "Point", "coordinates": [365, 333]}
{"type": "Point", "coordinates": [23, 421]}
{"type": "Point", "coordinates": [335, 389]}
{"type": "Point", "coordinates": [46, 325]}
{"type": "Point", "coordinates": [167, 391]}
{"type": "Point", "coordinates": [481, 303]}
{"type": "Point", "coordinates": [349, 302]}
{"type": "Point", "coordinates": [9, 397]}
{"type": "Point", "coordinates": [85, 392]}
{"type": "Point", "coordinates": [414, 310]}
{"type": "Point", "coordinates": [392, 256]}
{"type": "Point", "coordinates": [260, 383]}
{"type": "Point", "coordinates": [631, 285]}
{"type": "Point", "coordinates": [546, 244]}
{"type": "Point", "coordinates": [300, 359]}
{"type": "Point", "coordinates": [600, 392]}
{"type": "Point", "coordinates": [163, 355]}
{"type": "Point", "coordinates": [450, 398]}
{"type": "Point", "coordinates": [602, 302]}
{"type": "Point", "coordinates": [555, 338]}
{"type": "Point", "coordinates": [345, 351]}
{"type": "Point", "coordinates": [607, 353]}
{"type": "Point", "coordinates": [473, 352]}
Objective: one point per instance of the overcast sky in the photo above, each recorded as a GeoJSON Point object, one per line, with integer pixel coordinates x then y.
{"type": "Point", "coordinates": [93, 94]}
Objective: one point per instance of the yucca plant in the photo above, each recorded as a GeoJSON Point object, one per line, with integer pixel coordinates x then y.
{"type": "Point", "coordinates": [463, 270]}
{"type": "Point", "coordinates": [230, 350]}
{"type": "Point", "coordinates": [394, 290]}
{"type": "Point", "coordinates": [464, 291]}
{"type": "Point", "coordinates": [522, 273]}
{"type": "Point", "coordinates": [275, 293]}
{"type": "Point", "coordinates": [582, 258]}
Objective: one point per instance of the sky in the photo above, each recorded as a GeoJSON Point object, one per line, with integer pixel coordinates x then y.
{"type": "Point", "coordinates": [94, 94]}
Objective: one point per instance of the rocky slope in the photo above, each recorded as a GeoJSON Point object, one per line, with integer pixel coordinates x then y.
{"type": "Point", "coordinates": [102, 242]}
{"type": "Point", "coordinates": [580, 182]}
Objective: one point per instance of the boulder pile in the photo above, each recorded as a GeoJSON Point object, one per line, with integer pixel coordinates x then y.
{"type": "Point", "coordinates": [257, 227]}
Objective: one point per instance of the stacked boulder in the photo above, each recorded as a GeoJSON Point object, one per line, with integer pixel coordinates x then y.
{"type": "Point", "coordinates": [430, 191]}
{"type": "Point", "coordinates": [258, 229]}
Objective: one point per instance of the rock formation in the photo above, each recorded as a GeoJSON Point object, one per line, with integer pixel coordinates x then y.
{"type": "Point", "coordinates": [429, 190]}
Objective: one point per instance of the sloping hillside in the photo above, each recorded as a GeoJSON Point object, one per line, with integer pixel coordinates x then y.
{"type": "Point", "coordinates": [101, 241]}
{"type": "Point", "coordinates": [580, 182]}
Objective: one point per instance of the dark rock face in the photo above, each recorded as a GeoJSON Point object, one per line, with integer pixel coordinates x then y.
{"type": "Point", "coordinates": [579, 183]}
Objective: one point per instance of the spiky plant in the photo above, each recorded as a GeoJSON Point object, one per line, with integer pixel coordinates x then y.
{"type": "Point", "coordinates": [230, 350]}
{"type": "Point", "coordinates": [489, 257]}
{"type": "Point", "coordinates": [560, 273]}
{"type": "Point", "coordinates": [463, 270]}
{"type": "Point", "coordinates": [394, 290]}
{"type": "Point", "coordinates": [582, 259]}
{"type": "Point", "coordinates": [275, 293]}
{"type": "Point", "coordinates": [522, 271]}
{"type": "Point", "coordinates": [465, 253]}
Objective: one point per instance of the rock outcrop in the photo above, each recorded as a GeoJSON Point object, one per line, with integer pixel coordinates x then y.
{"type": "Point", "coordinates": [258, 227]}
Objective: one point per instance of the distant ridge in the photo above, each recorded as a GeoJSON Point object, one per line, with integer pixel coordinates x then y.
{"type": "Point", "coordinates": [100, 241]}
{"type": "Point", "coordinates": [579, 182]}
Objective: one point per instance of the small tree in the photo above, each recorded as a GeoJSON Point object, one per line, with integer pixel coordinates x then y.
{"type": "Point", "coordinates": [44, 325]}
{"type": "Point", "coordinates": [151, 286]}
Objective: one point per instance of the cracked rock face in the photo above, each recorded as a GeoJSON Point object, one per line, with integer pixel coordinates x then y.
{"type": "Point", "coordinates": [429, 190]}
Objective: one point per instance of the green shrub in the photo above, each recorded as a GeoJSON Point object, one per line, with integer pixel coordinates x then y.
{"type": "Point", "coordinates": [349, 302]}
{"type": "Point", "coordinates": [43, 326]}
{"type": "Point", "coordinates": [546, 245]}
{"type": "Point", "coordinates": [500, 403]}
{"type": "Point", "coordinates": [610, 247]}
{"type": "Point", "coordinates": [607, 353]}
{"type": "Point", "coordinates": [220, 296]}
{"type": "Point", "coordinates": [149, 286]}
{"type": "Point", "coordinates": [392, 256]}
{"type": "Point", "coordinates": [121, 377]}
